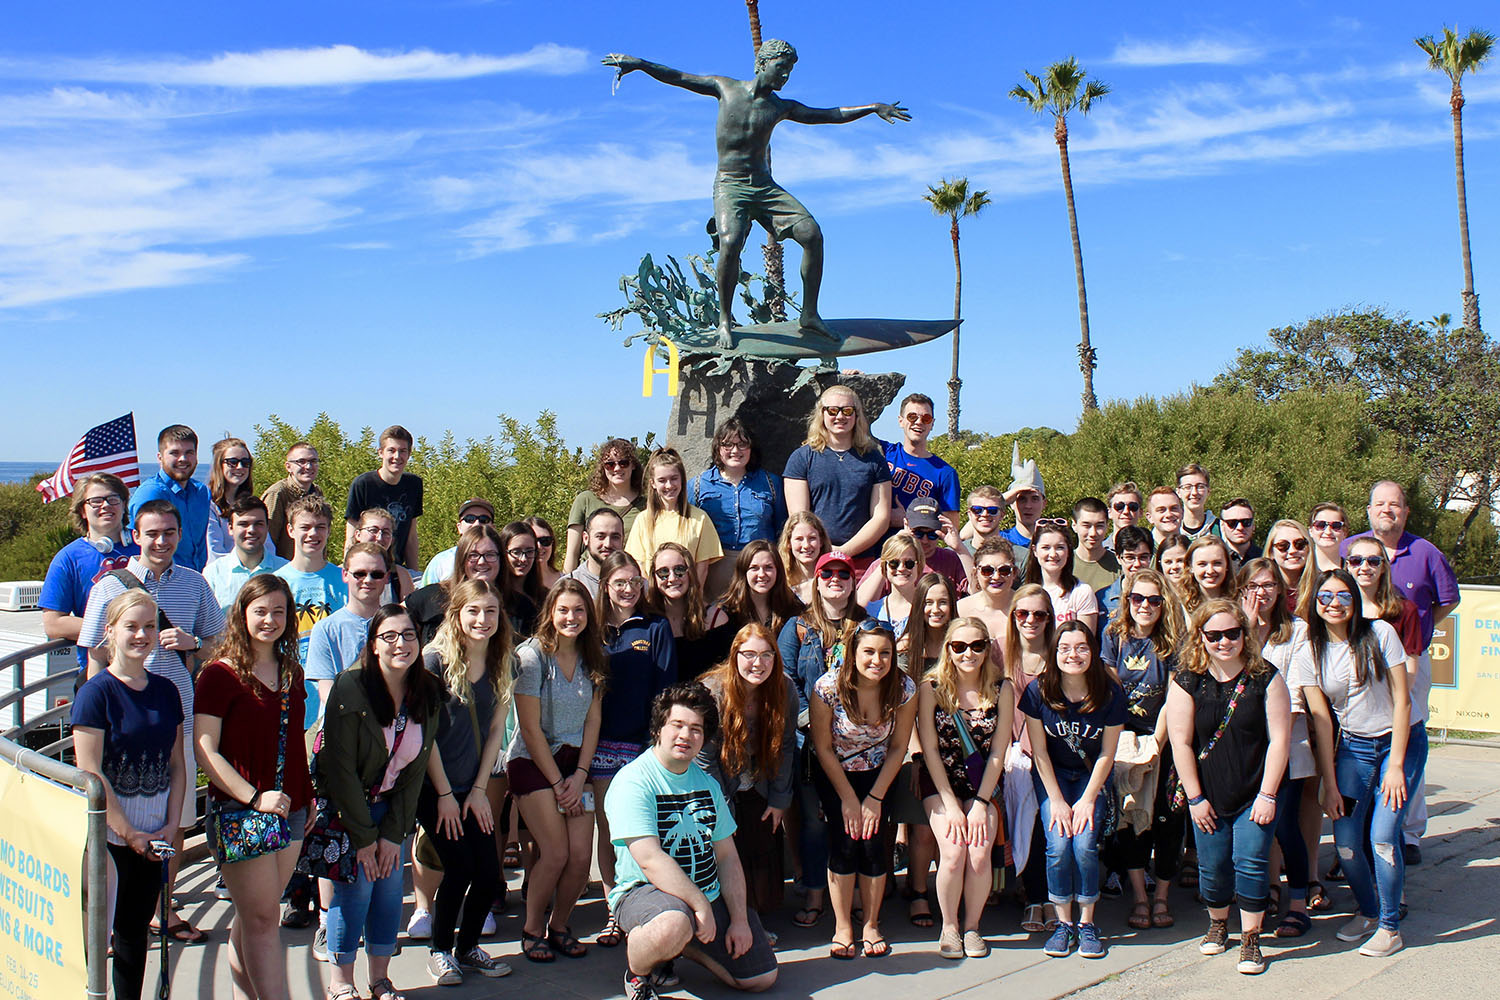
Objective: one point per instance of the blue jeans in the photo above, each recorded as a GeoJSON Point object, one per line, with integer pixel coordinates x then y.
{"type": "Point", "coordinates": [1289, 836]}
{"type": "Point", "coordinates": [812, 836]}
{"type": "Point", "coordinates": [373, 908]}
{"type": "Point", "coordinates": [1072, 861]}
{"type": "Point", "coordinates": [1376, 881]}
{"type": "Point", "coordinates": [1235, 862]}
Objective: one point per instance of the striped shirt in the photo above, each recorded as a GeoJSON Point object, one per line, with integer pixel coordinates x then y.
{"type": "Point", "coordinates": [189, 604]}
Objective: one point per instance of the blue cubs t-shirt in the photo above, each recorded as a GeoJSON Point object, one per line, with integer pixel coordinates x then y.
{"type": "Point", "coordinates": [1074, 738]}
{"type": "Point", "coordinates": [73, 572]}
{"type": "Point", "coordinates": [913, 477]}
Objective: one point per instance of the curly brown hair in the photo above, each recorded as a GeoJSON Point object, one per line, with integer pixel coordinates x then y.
{"type": "Point", "coordinates": [615, 449]}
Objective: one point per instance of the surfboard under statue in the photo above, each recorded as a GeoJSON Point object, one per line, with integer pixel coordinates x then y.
{"type": "Point", "coordinates": [789, 342]}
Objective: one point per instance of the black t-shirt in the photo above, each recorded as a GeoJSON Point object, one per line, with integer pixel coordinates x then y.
{"type": "Point", "coordinates": [456, 737]}
{"type": "Point", "coordinates": [1232, 772]}
{"type": "Point", "coordinates": [404, 501]}
{"type": "Point", "coordinates": [427, 606]}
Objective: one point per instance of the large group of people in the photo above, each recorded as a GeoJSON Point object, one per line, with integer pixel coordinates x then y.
{"type": "Point", "coordinates": [713, 682]}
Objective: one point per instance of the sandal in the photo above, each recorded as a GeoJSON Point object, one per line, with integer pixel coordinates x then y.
{"type": "Point", "coordinates": [1032, 920]}
{"type": "Point", "coordinates": [879, 948]}
{"type": "Point", "coordinates": [346, 992]}
{"type": "Point", "coordinates": [182, 932]}
{"type": "Point", "coordinates": [384, 989]}
{"type": "Point", "coordinates": [1161, 914]}
{"type": "Point", "coordinates": [612, 935]}
{"type": "Point", "coordinates": [808, 916]}
{"type": "Point", "coordinates": [1317, 897]}
{"type": "Point", "coordinates": [950, 945]}
{"type": "Point", "coordinates": [562, 939]}
{"type": "Point", "coordinates": [841, 951]}
{"type": "Point", "coordinates": [536, 949]}
{"type": "Point", "coordinates": [1294, 925]}
{"type": "Point", "coordinates": [1049, 921]}
{"type": "Point", "coordinates": [1140, 916]}
{"type": "Point", "coordinates": [922, 918]}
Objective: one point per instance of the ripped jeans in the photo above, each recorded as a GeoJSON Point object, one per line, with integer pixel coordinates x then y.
{"type": "Point", "coordinates": [1360, 765]}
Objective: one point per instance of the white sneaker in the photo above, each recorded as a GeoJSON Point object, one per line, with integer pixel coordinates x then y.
{"type": "Point", "coordinates": [419, 928]}
{"type": "Point", "coordinates": [1383, 944]}
{"type": "Point", "coordinates": [320, 944]}
{"type": "Point", "coordinates": [490, 926]}
{"type": "Point", "coordinates": [1358, 927]}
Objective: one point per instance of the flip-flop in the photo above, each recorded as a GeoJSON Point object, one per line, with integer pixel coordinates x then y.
{"type": "Point", "coordinates": [183, 932]}
{"type": "Point", "coordinates": [841, 951]}
{"type": "Point", "coordinates": [813, 915]}
{"type": "Point", "coordinates": [879, 948]}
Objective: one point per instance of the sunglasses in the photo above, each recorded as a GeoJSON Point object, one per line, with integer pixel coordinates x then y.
{"type": "Point", "coordinates": [544, 541]}
{"type": "Point", "coordinates": [875, 625]}
{"type": "Point", "coordinates": [668, 572]}
{"type": "Point", "coordinates": [839, 411]}
{"type": "Point", "coordinates": [978, 646]}
{"type": "Point", "coordinates": [1343, 598]}
{"type": "Point", "coordinates": [1216, 634]}
{"type": "Point", "coordinates": [1123, 507]}
{"type": "Point", "coordinates": [985, 511]}
{"type": "Point", "coordinates": [237, 463]}
{"type": "Point", "coordinates": [628, 583]}
{"type": "Point", "coordinates": [1023, 615]}
{"type": "Point", "coordinates": [1328, 525]}
{"type": "Point", "coordinates": [477, 519]}
{"type": "Point", "coordinates": [901, 563]}
{"type": "Point", "coordinates": [829, 574]}
{"type": "Point", "coordinates": [1155, 600]}
{"type": "Point", "coordinates": [1296, 544]}
{"type": "Point", "coordinates": [918, 419]}
{"type": "Point", "coordinates": [1374, 562]}
{"type": "Point", "coordinates": [367, 574]}
{"type": "Point", "coordinates": [923, 533]}
{"type": "Point", "coordinates": [1001, 571]}
{"type": "Point", "coordinates": [1051, 522]}
{"type": "Point", "coordinates": [614, 464]}
{"type": "Point", "coordinates": [1238, 522]}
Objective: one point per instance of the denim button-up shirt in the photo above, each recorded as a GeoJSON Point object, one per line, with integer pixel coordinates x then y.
{"type": "Point", "coordinates": [741, 513]}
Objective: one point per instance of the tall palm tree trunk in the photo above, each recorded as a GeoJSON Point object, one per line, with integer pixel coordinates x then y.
{"type": "Point", "coordinates": [1471, 301]}
{"type": "Point", "coordinates": [955, 383]}
{"type": "Point", "coordinates": [771, 251]}
{"type": "Point", "coordinates": [1086, 353]}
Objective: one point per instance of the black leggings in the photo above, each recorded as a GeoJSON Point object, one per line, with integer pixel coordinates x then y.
{"type": "Point", "coordinates": [471, 877]}
{"type": "Point", "coordinates": [1131, 850]}
{"type": "Point", "coordinates": [137, 891]}
{"type": "Point", "coordinates": [1034, 875]}
{"type": "Point", "coordinates": [847, 856]}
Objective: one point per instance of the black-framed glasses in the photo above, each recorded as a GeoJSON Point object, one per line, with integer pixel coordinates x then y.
{"type": "Point", "coordinates": [477, 519]}
{"type": "Point", "coordinates": [1290, 545]}
{"type": "Point", "coordinates": [521, 553]}
{"type": "Point", "coordinates": [1003, 571]}
{"type": "Point", "coordinates": [1237, 522]}
{"type": "Point", "coordinates": [977, 645]}
{"type": "Point", "coordinates": [839, 411]}
{"type": "Point", "coordinates": [1263, 588]}
{"type": "Point", "coordinates": [901, 564]}
{"type": "Point", "coordinates": [237, 463]}
{"type": "Point", "coordinates": [1328, 525]}
{"type": "Point", "coordinates": [375, 531]}
{"type": "Point", "coordinates": [1193, 488]}
{"type": "Point", "coordinates": [1374, 562]}
{"type": "Point", "coordinates": [978, 511]}
{"type": "Point", "coordinates": [368, 574]}
{"type": "Point", "coordinates": [392, 637]}
{"type": "Point", "coordinates": [483, 557]}
{"type": "Point", "coordinates": [1218, 634]}
{"type": "Point", "coordinates": [1154, 600]}
{"type": "Point", "coordinates": [1343, 598]}
{"type": "Point", "coordinates": [1125, 507]}
{"type": "Point", "coordinates": [829, 573]}
{"type": "Point", "coordinates": [100, 503]}
{"type": "Point", "coordinates": [669, 572]}
{"type": "Point", "coordinates": [735, 446]}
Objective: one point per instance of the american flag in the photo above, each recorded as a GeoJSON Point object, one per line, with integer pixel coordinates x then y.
{"type": "Point", "coordinates": [107, 448]}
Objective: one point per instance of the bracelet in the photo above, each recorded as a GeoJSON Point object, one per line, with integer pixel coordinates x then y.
{"type": "Point", "coordinates": [877, 798]}
{"type": "Point", "coordinates": [1197, 799]}
{"type": "Point", "coordinates": [559, 781]}
{"type": "Point", "coordinates": [1263, 795]}
{"type": "Point", "coordinates": [448, 794]}
{"type": "Point", "coordinates": [581, 770]}
{"type": "Point", "coordinates": [250, 802]}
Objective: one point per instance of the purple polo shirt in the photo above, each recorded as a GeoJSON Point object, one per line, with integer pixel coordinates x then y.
{"type": "Point", "coordinates": [1420, 573]}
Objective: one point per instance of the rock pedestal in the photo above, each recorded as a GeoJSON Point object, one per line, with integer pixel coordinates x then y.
{"type": "Point", "coordinates": [760, 392]}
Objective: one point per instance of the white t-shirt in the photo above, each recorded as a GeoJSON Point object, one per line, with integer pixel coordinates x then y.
{"type": "Point", "coordinates": [1300, 763]}
{"type": "Point", "coordinates": [1077, 602]}
{"type": "Point", "coordinates": [1362, 709]}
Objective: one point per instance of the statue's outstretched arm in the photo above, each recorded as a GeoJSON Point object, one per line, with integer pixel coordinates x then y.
{"type": "Point", "coordinates": [707, 85]}
{"type": "Point", "coordinates": [837, 116]}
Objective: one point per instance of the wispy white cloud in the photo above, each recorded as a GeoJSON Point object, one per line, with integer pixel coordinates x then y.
{"type": "Point", "coordinates": [365, 245]}
{"type": "Point", "coordinates": [1194, 51]}
{"type": "Point", "coordinates": [328, 66]}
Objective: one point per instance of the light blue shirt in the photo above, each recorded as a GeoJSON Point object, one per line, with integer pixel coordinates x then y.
{"type": "Point", "coordinates": [192, 501]}
{"type": "Point", "coordinates": [336, 644]}
{"type": "Point", "coordinates": [439, 567]}
{"type": "Point", "coordinates": [226, 576]}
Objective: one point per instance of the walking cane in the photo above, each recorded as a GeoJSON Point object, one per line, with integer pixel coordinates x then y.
{"type": "Point", "coordinates": [165, 851]}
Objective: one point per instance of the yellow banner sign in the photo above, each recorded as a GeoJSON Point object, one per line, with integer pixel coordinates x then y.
{"type": "Point", "coordinates": [1465, 655]}
{"type": "Point", "coordinates": [43, 828]}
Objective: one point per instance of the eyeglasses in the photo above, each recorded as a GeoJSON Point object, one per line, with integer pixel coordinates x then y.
{"type": "Point", "coordinates": [924, 533]}
{"type": "Point", "coordinates": [238, 463]}
{"type": "Point", "coordinates": [758, 656]}
{"type": "Point", "coordinates": [1344, 598]}
{"type": "Point", "coordinates": [1024, 615]}
{"type": "Point", "coordinates": [483, 557]}
{"type": "Point", "coordinates": [100, 503]}
{"type": "Point", "coordinates": [901, 563]}
{"type": "Point", "coordinates": [302, 463]}
{"type": "Point", "coordinates": [614, 464]}
{"type": "Point", "coordinates": [391, 638]}
{"type": "Point", "coordinates": [734, 446]}
{"type": "Point", "coordinates": [985, 511]}
{"type": "Point", "coordinates": [1154, 600]}
{"type": "Point", "coordinates": [1193, 488]}
{"type": "Point", "coordinates": [839, 411]}
{"type": "Point", "coordinates": [1263, 588]}
{"type": "Point", "coordinates": [1237, 522]}
{"type": "Point", "coordinates": [374, 531]}
{"type": "Point", "coordinates": [544, 541]}
{"type": "Point", "coordinates": [1002, 571]}
{"type": "Point", "coordinates": [367, 574]}
{"type": "Point", "coordinates": [521, 553]}
{"type": "Point", "coordinates": [669, 572]}
{"type": "Point", "coordinates": [978, 645]}
{"type": "Point", "coordinates": [1328, 525]}
{"type": "Point", "coordinates": [1374, 562]}
{"type": "Point", "coordinates": [628, 583]}
{"type": "Point", "coordinates": [477, 519]}
{"type": "Point", "coordinates": [827, 573]}
{"type": "Point", "coordinates": [1295, 545]}
{"type": "Point", "coordinates": [1123, 507]}
{"type": "Point", "coordinates": [1217, 634]}
{"type": "Point", "coordinates": [919, 419]}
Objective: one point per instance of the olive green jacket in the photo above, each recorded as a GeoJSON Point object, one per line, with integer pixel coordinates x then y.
{"type": "Point", "coordinates": [354, 758]}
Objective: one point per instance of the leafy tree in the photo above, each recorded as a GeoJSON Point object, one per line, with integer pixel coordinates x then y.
{"type": "Point", "coordinates": [31, 532]}
{"type": "Point", "coordinates": [1063, 88]}
{"type": "Point", "coordinates": [955, 200]}
{"type": "Point", "coordinates": [1436, 390]}
{"type": "Point", "coordinates": [1456, 56]}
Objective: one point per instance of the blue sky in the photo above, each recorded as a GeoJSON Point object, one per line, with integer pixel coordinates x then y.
{"type": "Point", "coordinates": [412, 211]}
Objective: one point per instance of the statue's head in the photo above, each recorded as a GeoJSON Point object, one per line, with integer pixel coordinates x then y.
{"type": "Point", "coordinates": [774, 61]}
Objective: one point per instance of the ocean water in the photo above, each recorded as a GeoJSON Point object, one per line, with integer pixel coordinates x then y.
{"type": "Point", "coordinates": [20, 472]}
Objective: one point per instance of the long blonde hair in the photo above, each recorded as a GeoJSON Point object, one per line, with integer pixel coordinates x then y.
{"type": "Point", "coordinates": [784, 545]}
{"type": "Point", "coordinates": [448, 644]}
{"type": "Point", "coordinates": [817, 434]}
{"type": "Point", "coordinates": [944, 676]}
{"type": "Point", "coordinates": [1013, 658]}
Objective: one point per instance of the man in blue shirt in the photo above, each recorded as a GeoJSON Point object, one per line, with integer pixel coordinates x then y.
{"type": "Point", "coordinates": [177, 451]}
{"type": "Point", "coordinates": [99, 516]}
{"type": "Point", "coordinates": [915, 470]}
{"type": "Point", "coordinates": [252, 554]}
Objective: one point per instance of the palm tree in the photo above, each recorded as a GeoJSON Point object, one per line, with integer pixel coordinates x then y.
{"type": "Point", "coordinates": [1059, 90]}
{"type": "Point", "coordinates": [772, 251]}
{"type": "Point", "coordinates": [953, 199]}
{"type": "Point", "coordinates": [1456, 56]}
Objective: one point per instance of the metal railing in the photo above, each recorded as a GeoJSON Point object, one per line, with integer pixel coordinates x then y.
{"type": "Point", "coordinates": [43, 765]}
